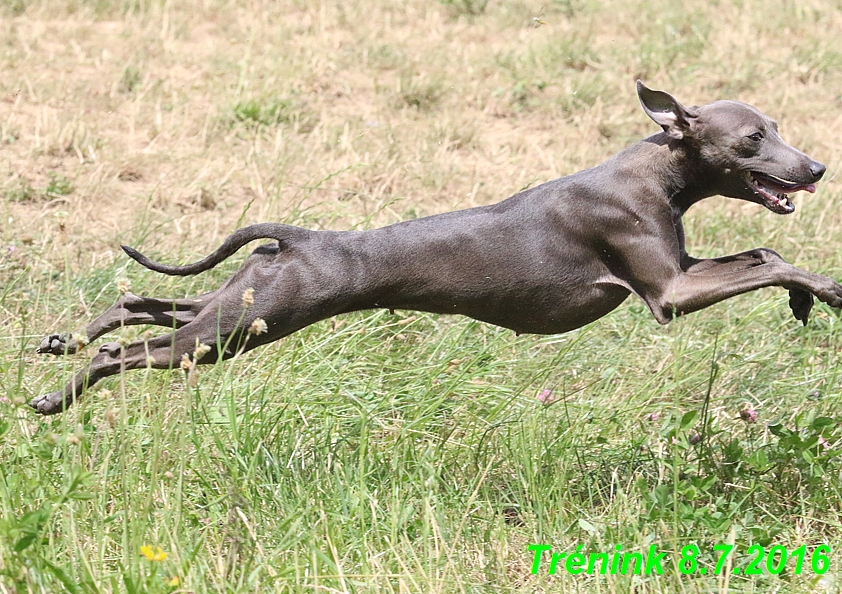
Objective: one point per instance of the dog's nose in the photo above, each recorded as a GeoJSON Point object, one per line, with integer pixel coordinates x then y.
{"type": "Point", "coordinates": [817, 169]}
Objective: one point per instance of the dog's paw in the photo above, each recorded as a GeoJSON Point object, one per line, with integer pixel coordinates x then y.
{"type": "Point", "coordinates": [800, 302]}
{"type": "Point", "coordinates": [828, 291]}
{"type": "Point", "coordinates": [59, 344]}
{"type": "Point", "coordinates": [50, 404]}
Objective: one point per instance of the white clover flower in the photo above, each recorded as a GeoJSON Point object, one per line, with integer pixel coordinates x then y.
{"type": "Point", "coordinates": [248, 297]}
{"type": "Point", "coordinates": [258, 326]}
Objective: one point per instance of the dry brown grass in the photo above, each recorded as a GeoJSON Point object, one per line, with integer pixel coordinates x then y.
{"type": "Point", "coordinates": [388, 109]}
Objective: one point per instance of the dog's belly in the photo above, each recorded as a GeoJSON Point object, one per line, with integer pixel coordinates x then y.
{"type": "Point", "coordinates": [526, 310]}
{"type": "Point", "coordinates": [562, 315]}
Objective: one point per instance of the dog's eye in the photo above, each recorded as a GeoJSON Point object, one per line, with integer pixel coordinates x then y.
{"type": "Point", "coordinates": [756, 137]}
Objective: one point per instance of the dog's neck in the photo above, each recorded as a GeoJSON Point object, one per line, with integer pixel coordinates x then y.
{"type": "Point", "coordinates": [676, 166]}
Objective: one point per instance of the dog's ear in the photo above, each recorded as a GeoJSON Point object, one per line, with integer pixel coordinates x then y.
{"type": "Point", "coordinates": [666, 111]}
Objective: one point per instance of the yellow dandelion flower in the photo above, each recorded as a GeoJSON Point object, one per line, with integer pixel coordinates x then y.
{"type": "Point", "coordinates": [148, 552]}
{"type": "Point", "coordinates": [173, 581]}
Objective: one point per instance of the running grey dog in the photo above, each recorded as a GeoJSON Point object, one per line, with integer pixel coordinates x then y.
{"type": "Point", "coordinates": [545, 261]}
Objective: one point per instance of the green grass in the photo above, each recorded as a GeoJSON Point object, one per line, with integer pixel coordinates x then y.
{"type": "Point", "coordinates": [402, 452]}
{"type": "Point", "coordinates": [383, 449]}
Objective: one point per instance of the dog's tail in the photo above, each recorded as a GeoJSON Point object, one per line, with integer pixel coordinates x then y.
{"type": "Point", "coordinates": [234, 242]}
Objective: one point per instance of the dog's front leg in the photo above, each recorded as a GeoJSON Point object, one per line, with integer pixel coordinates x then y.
{"type": "Point", "coordinates": [800, 301]}
{"type": "Point", "coordinates": [675, 287]}
{"type": "Point", "coordinates": [688, 292]}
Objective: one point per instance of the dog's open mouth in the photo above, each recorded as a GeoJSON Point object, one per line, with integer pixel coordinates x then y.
{"type": "Point", "coordinates": [774, 191]}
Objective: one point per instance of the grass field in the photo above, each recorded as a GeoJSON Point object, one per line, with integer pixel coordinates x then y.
{"type": "Point", "coordinates": [405, 452]}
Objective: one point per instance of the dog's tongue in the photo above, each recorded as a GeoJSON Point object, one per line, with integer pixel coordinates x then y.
{"type": "Point", "coordinates": [807, 188]}
{"type": "Point", "coordinates": [788, 189]}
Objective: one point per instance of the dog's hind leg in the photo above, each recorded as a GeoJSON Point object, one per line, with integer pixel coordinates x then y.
{"type": "Point", "coordinates": [161, 352]}
{"type": "Point", "coordinates": [130, 310]}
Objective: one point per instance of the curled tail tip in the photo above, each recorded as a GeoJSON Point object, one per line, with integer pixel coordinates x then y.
{"type": "Point", "coordinates": [156, 266]}
{"type": "Point", "coordinates": [131, 252]}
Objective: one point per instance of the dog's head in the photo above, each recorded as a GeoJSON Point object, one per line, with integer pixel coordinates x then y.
{"type": "Point", "coordinates": [740, 146]}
